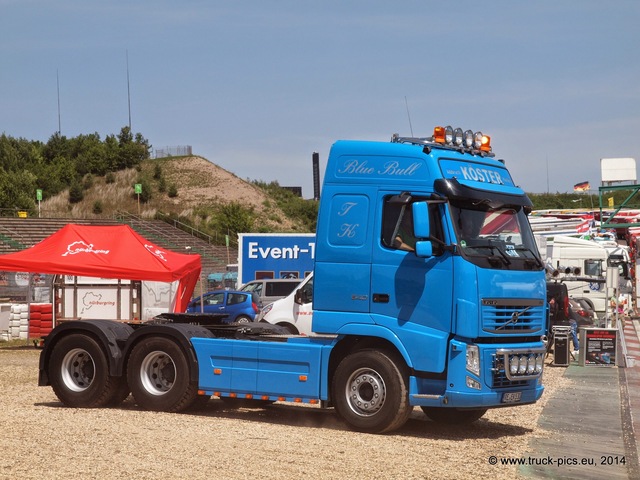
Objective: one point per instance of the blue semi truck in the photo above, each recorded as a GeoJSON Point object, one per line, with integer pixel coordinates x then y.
{"type": "Point", "coordinates": [428, 291]}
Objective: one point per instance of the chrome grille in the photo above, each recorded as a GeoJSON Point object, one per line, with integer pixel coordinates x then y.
{"type": "Point", "coordinates": [512, 316]}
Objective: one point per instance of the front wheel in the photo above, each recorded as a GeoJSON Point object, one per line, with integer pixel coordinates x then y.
{"type": "Point", "coordinates": [79, 374]}
{"type": "Point", "coordinates": [158, 374]}
{"type": "Point", "coordinates": [453, 416]}
{"type": "Point", "coordinates": [369, 391]}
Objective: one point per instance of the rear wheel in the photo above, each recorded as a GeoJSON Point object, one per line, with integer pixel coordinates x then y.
{"type": "Point", "coordinates": [242, 319]}
{"type": "Point", "coordinates": [453, 416]}
{"type": "Point", "coordinates": [369, 391]}
{"type": "Point", "coordinates": [79, 373]}
{"type": "Point", "coordinates": [158, 374]}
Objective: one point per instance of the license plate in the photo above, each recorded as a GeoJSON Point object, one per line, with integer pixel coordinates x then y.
{"type": "Point", "coordinates": [511, 397]}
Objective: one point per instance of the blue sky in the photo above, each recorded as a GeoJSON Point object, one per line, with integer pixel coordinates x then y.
{"type": "Point", "coordinates": [257, 86]}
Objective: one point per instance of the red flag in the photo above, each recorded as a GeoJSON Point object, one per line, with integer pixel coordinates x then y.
{"type": "Point", "coordinates": [581, 187]}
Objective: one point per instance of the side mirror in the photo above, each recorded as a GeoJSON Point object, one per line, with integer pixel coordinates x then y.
{"type": "Point", "coordinates": [422, 229]}
{"type": "Point", "coordinates": [424, 248]}
{"type": "Point", "coordinates": [421, 225]}
{"type": "Point", "coordinates": [298, 297]}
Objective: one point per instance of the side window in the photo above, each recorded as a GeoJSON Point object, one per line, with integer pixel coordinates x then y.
{"type": "Point", "coordinates": [593, 267]}
{"type": "Point", "coordinates": [215, 299]}
{"type": "Point", "coordinates": [397, 226]}
{"type": "Point", "coordinates": [236, 298]}
{"type": "Point", "coordinates": [282, 289]}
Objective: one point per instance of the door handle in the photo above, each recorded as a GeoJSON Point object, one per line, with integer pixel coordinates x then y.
{"type": "Point", "coordinates": [381, 298]}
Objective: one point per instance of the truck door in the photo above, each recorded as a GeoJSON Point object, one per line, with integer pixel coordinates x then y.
{"type": "Point", "coordinates": [409, 292]}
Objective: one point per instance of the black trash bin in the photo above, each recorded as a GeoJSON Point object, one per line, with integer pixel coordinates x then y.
{"type": "Point", "coordinates": [561, 345]}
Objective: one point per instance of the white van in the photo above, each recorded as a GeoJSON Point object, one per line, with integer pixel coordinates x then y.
{"type": "Point", "coordinates": [294, 312]}
{"type": "Point", "coordinates": [271, 289]}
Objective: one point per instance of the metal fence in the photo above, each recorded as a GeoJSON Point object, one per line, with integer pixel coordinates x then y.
{"type": "Point", "coordinates": [177, 151]}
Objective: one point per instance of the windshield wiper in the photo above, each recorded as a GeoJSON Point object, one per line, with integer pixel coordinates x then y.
{"type": "Point", "coordinates": [503, 256]}
{"type": "Point", "coordinates": [534, 258]}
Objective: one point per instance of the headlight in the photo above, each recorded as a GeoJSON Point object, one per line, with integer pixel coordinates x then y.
{"type": "Point", "coordinates": [448, 135]}
{"type": "Point", "coordinates": [457, 137]}
{"type": "Point", "coordinates": [531, 365]}
{"type": "Point", "coordinates": [539, 363]}
{"type": "Point", "coordinates": [468, 139]}
{"type": "Point", "coordinates": [473, 383]}
{"type": "Point", "coordinates": [473, 359]}
{"type": "Point", "coordinates": [522, 368]}
{"type": "Point", "coordinates": [477, 140]}
{"type": "Point", "coordinates": [513, 365]}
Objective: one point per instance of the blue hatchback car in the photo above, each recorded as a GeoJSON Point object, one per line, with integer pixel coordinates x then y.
{"type": "Point", "coordinates": [242, 307]}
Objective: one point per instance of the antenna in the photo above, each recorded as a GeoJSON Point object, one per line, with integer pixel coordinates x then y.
{"type": "Point", "coordinates": [58, 85]}
{"type": "Point", "coordinates": [409, 116]}
{"type": "Point", "coordinates": [128, 91]}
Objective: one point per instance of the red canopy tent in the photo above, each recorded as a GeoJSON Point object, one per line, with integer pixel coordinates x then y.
{"type": "Point", "coordinates": [108, 252]}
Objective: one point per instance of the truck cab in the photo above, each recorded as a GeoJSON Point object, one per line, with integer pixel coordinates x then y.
{"type": "Point", "coordinates": [465, 304]}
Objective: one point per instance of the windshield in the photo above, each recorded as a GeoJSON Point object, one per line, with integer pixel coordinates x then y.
{"type": "Point", "coordinates": [253, 287]}
{"type": "Point", "coordinates": [495, 237]}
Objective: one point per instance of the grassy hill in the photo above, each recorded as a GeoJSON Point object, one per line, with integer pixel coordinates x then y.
{"type": "Point", "coordinates": [190, 189]}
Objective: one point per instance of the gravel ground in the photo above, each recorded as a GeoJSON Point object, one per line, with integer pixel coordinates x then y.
{"type": "Point", "coordinates": [41, 439]}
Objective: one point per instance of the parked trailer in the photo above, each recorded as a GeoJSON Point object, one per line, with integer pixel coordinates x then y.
{"type": "Point", "coordinates": [428, 291]}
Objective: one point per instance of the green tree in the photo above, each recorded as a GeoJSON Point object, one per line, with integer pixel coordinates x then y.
{"type": "Point", "coordinates": [17, 190]}
{"type": "Point", "coordinates": [76, 192]}
{"type": "Point", "coordinates": [234, 218]}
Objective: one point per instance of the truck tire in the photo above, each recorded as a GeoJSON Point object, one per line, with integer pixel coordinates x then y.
{"type": "Point", "coordinates": [79, 374]}
{"type": "Point", "coordinates": [158, 374]}
{"type": "Point", "coordinates": [369, 391]}
{"type": "Point", "coordinates": [453, 416]}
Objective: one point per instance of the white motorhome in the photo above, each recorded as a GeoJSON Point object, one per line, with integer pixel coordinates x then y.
{"type": "Point", "coordinates": [294, 312]}
{"type": "Point", "coordinates": [582, 266]}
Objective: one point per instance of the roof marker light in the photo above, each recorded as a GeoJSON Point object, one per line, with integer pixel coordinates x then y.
{"type": "Point", "coordinates": [485, 143]}
{"type": "Point", "coordinates": [438, 134]}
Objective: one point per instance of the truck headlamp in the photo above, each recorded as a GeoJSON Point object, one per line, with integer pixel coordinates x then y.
{"type": "Point", "coordinates": [473, 359]}
{"type": "Point", "coordinates": [457, 137]}
{"type": "Point", "coordinates": [448, 134]}
{"type": "Point", "coordinates": [477, 140]}
{"type": "Point", "coordinates": [539, 363]}
{"type": "Point", "coordinates": [531, 365]}
{"type": "Point", "coordinates": [513, 365]}
{"type": "Point", "coordinates": [468, 139]}
{"type": "Point", "coordinates": [522, 368]}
